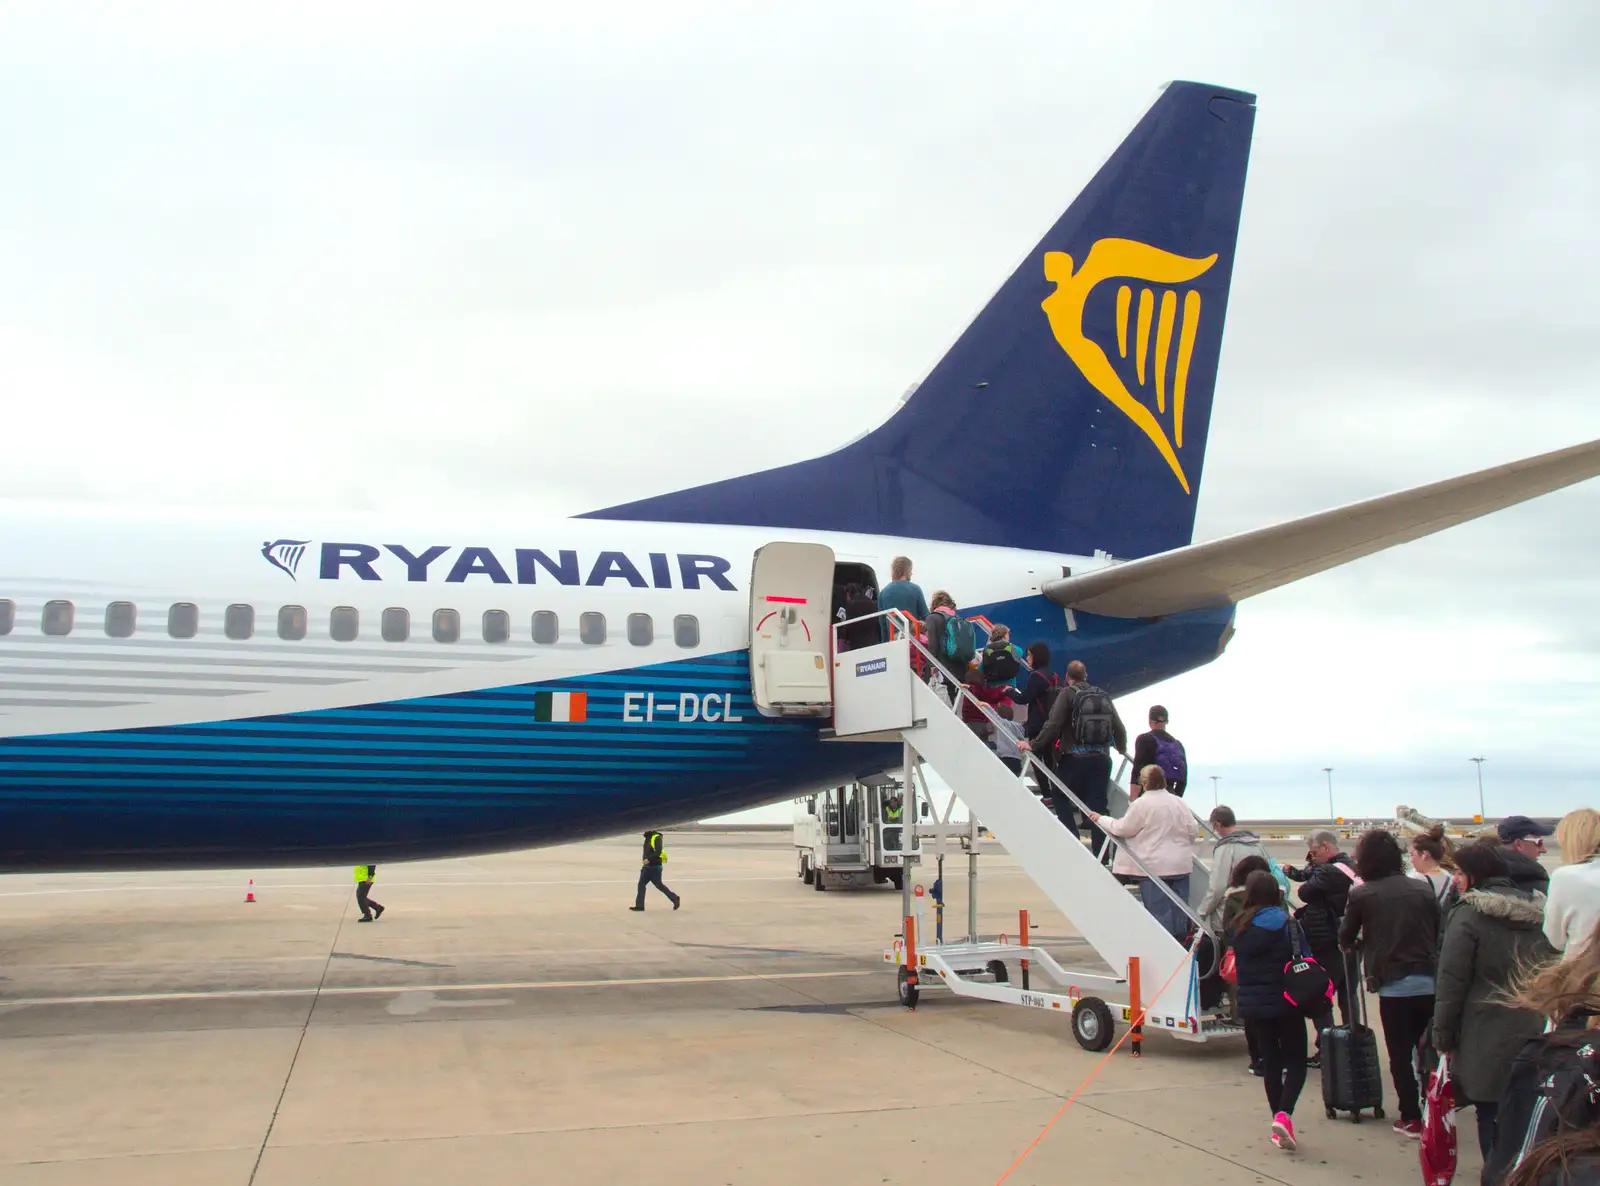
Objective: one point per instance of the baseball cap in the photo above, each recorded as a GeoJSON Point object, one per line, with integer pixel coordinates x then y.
{"type": "Point", "coordinates": [1157, 713]}
{"type": "Point", "coordinates": [1520, 827]}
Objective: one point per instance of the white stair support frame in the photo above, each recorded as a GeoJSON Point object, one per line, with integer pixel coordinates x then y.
{"type": "Point", "coordinates": [1114, 923]}
{"type": "Point", "coordinates": [1111, 920]}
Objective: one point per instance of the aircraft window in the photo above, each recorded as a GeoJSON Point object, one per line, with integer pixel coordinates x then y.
{"type": "Point", "coordinates": [120, 617]}
{"type": "Point", "coordinates": [344, 623]}
{"type": "Point", "coordinates": [183, 619]}
{"type": "Point", "coordinates": [396, 624]}
{"type": "Point", "coordinates": [641, 630]}
{"type": "Point", "coordinates": [546, 628]}
{"type": "Point", "coordinates": [292, 622]}
{"type": "Point", "coordinates": [8, 616]}
{"type": "Point", "coordinates": [446, 625]}
{"type": "Point", "coordinates": [57, 617]}
{"type": "Point", "coordinates": [686, 630]}
{"type": "Point", "coordinates": [496, 625]}
{"type": "Point", "coordinates": [239, 622]}
{"type": "Point", "coordinates": [592, 628]}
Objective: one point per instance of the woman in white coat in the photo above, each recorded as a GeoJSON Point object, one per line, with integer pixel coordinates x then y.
{"type": "Point", "coordinates": [1573, 907]}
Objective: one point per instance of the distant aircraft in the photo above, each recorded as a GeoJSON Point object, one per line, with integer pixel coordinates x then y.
{"type": "Point", "coordinates": [194, 691]}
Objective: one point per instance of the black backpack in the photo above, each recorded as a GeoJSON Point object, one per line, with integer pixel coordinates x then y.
{"type": "Point", "coordinates": [1093, 717]}
{"type": "Point", "coordinates": [999, 665]}
{"type": "Point", "coordinates": [1554, 1089]}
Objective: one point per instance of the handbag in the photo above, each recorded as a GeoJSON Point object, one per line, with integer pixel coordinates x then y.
{"type": "Point", "coordinates": [1306, 983]}
{"type": "Point", "coordinates": [1437, 1148]}
{"type": "Point", "coordinates": [1229, 970]}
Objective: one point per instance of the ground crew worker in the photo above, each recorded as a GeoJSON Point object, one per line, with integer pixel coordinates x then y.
{"type": "Point", "coordinates": [893, 810]}
{"type": "Point", "coordinates": [650, 874]}
{"type": "Point", "coordinates": [370, 910]}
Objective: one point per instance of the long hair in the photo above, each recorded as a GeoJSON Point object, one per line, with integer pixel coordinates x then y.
{"type": "Point", "coordinates": [1554, 992]}
{"type": "Point", "coordinates": [1261, 892]}
{"type": "Point", "coordinates": [1578, 834]}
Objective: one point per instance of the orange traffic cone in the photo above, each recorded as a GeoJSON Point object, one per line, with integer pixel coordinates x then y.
{"type": "Point", "coordinates": [250, 893]}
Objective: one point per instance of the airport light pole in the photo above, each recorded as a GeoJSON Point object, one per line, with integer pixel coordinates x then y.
{"type": "Point", "coordinates": [1214, 779]}
{"type": "Point", "coordinates": [1479, 763]}
{"type": "Point", "coordinates": [1328, 770]}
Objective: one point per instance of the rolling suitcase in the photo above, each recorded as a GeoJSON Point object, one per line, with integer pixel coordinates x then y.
{"type": "Point", "coordinates": [1352, 1074]}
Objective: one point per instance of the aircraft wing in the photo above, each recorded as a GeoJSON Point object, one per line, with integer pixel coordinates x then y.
{"type": "Point", "coordinates": [1224, 571]}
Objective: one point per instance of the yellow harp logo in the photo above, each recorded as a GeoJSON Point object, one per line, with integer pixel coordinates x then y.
{"type": "Point", "coordinates": [1125, 259]}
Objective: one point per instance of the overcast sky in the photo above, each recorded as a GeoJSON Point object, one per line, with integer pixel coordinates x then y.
{"type": "Point", "coordinates": [371, 257]}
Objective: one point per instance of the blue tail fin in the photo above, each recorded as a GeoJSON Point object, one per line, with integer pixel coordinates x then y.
{"type": "Point", "coordinates": [1072, 414]}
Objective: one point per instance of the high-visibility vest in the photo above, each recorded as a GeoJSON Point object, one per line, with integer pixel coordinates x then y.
{"type": "Point", "coordinates": [892, 814]}
{"type": "Point", "coordinates": [363, 873]}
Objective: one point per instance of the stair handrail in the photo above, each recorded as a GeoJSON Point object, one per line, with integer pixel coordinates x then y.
{"type": "Point", "coordinates": [898, 620]}
{"type": "Point", "coordinates": [1032, 762]}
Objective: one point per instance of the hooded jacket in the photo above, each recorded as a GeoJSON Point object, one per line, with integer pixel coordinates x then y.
{"type": "Point", "coordinates": [1226, 853]}
{"type": "Point", "coordinates": [1260, 950]}
{"type": "Point", "coordinates": [1527, 874]}
{"type": "Point", "coordinates": [1495, 931]}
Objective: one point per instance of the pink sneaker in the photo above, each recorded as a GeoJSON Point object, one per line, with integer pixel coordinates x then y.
{"type": "Point", "coordinates": [1409, 1128]}
{"type": "Point", "coordinates": [1283, 1132]}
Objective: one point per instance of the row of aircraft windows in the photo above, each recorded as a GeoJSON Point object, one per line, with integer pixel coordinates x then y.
{"type": "Point", "coordinates": [344, 623]}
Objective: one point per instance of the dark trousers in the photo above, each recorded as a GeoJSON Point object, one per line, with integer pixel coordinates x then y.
{"type": "Point", "coordinates": [651, 875]}
{"type": "Point", "coordinates": [1405, 1020]}
{"type": "Point", "coordinates": [1341, 984]}
{"type": "Point", "coordinates": [363, 889]}
{"type": "Point", "coordinates": [1488, 1115]}
{"type": "Point", "coordinates": [1087, 776]}
{"type": "Point", "coordinates": [1280, 1042]}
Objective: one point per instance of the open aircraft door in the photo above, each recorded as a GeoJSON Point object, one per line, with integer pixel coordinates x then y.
{"type": "Point", "coordinates": [791, 601]}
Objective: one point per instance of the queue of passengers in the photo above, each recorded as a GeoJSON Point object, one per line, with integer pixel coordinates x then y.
{"type": "Point", "coordinates": [1475, 953]}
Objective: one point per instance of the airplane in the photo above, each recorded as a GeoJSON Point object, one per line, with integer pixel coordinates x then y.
{"type": "Point", "coordinates": [202, 690]}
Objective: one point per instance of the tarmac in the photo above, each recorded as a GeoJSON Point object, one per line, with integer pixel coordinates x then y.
{"type": "Point", "coordinates": [509, 1021]}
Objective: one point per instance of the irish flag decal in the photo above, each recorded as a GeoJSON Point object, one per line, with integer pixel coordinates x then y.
{"type": "Point", "coordinates": [570, 707]}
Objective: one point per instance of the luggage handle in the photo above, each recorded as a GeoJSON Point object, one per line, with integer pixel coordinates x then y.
{"type": "Point", "coordinates": [1354, 988]}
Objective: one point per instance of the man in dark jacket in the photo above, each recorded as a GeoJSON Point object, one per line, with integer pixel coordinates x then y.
{"type": "Point", "coordinates": [1325, 880]}
{"type": "Point", "coordinates": [1160, 748]}
{"type": "Point", "coordinates": [1084, 766]}
{"type": "Point", "coordinates": [650, 872]}
{"type": "Point", "coordinates": [1522, 844]}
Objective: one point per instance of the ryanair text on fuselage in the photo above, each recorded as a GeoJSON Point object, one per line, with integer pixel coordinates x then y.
{"type": "Point", "coordinates": [521, 566]}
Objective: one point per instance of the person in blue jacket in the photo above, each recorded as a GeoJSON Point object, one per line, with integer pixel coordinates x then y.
{"type": "Point", "coordinates": [1277, 1030]}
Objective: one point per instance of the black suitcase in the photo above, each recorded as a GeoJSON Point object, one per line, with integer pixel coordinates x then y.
{"type": "Point", "coordinates": [1352, 1074]}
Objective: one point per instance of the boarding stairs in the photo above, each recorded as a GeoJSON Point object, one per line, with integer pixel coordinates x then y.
{"type": "Point", "coordinates": [879, 695]}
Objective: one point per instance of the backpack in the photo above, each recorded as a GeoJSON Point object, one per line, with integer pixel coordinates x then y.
{"type": "Point", "coordinates": [1554, 1089]}
{"type": "Point", "coordinates": [959, 644]}
{"type": "Point", "coordinates": [999, 665]}
{"type": "Point", "coordinates": [1093, 717]}
{"type": "Point", "coordinates": [1172, 760]}
{"type": "Point", "coordinates": [1306, 983]}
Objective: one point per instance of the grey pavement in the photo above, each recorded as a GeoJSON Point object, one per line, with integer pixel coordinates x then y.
{"type": "Point", "coordinates": [509, 1021]}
